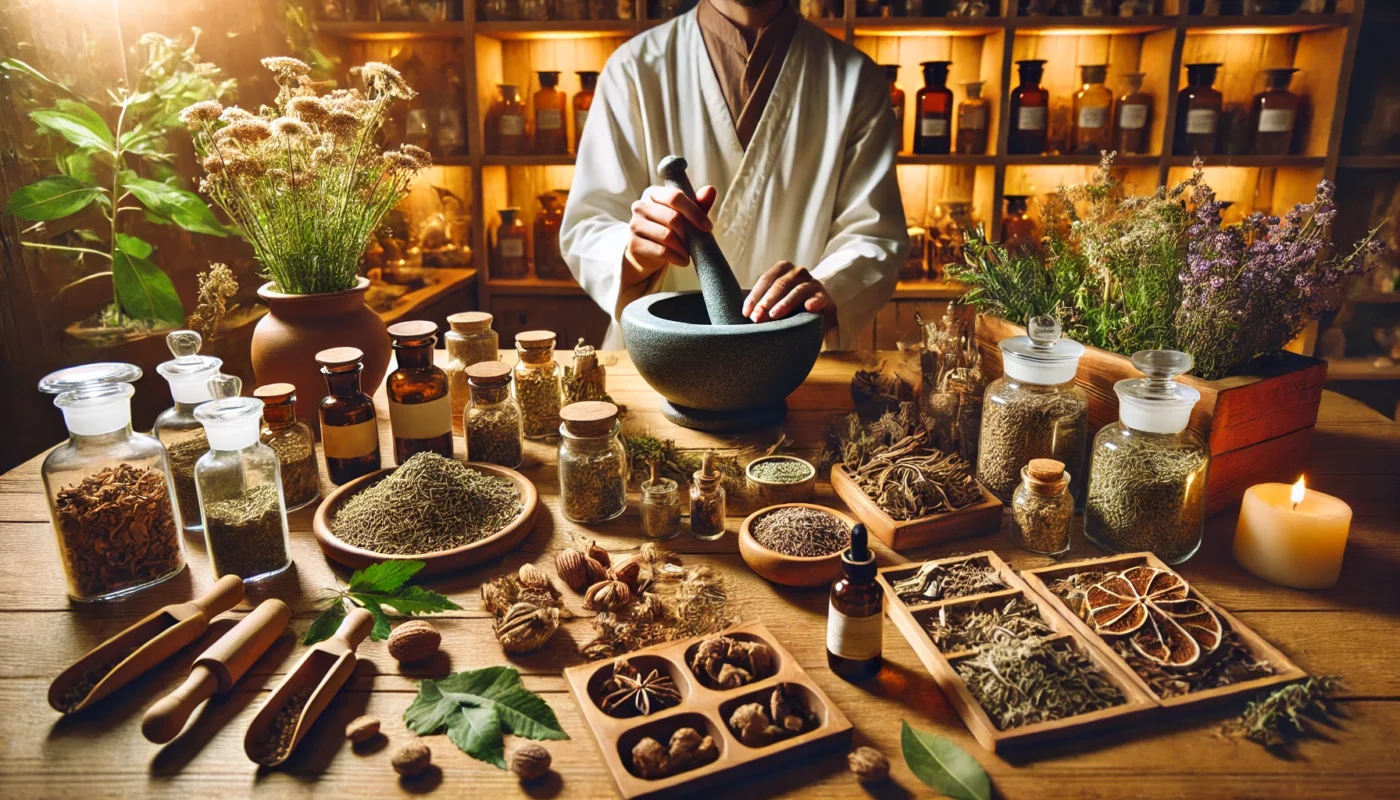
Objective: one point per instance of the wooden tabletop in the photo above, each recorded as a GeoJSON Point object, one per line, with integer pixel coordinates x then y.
{"type": "Point", "coordinates": [1350, 630]}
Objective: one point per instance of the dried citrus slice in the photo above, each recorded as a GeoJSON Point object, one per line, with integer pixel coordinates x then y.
{"type": "Point", "coordinates": [1115, 607]}
{"type": "Point", "coordinates": [1197, 619]}
{"type": "Point", "coordinates": [1159, 585]}
{"type": "Point", "coordinates": [1162, 640]}
{"type": "Point", "coordinates": [1153, 606]}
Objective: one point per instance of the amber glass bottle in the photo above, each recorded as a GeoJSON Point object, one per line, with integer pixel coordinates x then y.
{"type": "Point", "coordinates": [508, 258]}
{"type": "Point", "coordinates": [896, 101]}
{"type": "Point", "coordinates": [933, 129]}
{"type": "Point", "coordinates": [973, 114]}
{"type": "Point", "coordinates": [1133, 118]}
{"type": "Point", "coordinates": [549, 261]}
{"type": "Point", "coordinates": [583, 102]}
{"type": "Point", "coordinates": [1030, 111]}
{"type": "Point", "coordinates": [420, 411]}
{"type": "Point", "coordinates": [505, 124]}
{"type": "Point", "coordinates": [349, 432]}
{"type": "Point", "coordinates": [1197, 112]}
{"type": "Point", "coordinates": [855, 617]}
{"type": "Point", "coordinates": [1093, 111]}
{"type": "Point", "coordinates": [1017, 229]}
{"type": "Point", "coordinates": [551, 105]}
{"type": "Point", "coordinates": [1274, 114]}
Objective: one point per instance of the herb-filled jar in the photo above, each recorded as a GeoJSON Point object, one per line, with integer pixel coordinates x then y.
{"type": "Point", "coordinates": [493, 427]}
{"type": "Point", "coordinates": [1034, 410]}
{"type": "Point", "coordinates": [420, 412]}
{"type": "Point", "coordinates": [349, 429]}
{"type": "Point", "coordinates": [188, 375]}
{"type": "Point", "coordinates": [1042, 507]}
{"type": "Point", "coordinates": [537, 384]}
{"type": "Point", "coordinates": [470, 341]}
{"type": "Point", "coordinates": [1147, 471]}
{"type": "Point", "coordinates": [707, 500]}
{"type": "Point", "coordinates": [592, 462]}
{"type": "Point", "coordinates": [661, 507]}
{"type": "Point", "coordinates": [291, 440]}
{"type": "Point", "coordinates": [109, 489]}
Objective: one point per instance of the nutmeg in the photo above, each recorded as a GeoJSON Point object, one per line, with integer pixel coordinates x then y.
{"type": "Point", "coordinates": [532, 577]}
{"type": "Point", "coordinates": [599, 554]}
{"type": "Point", "coordinates": [573, 569]}
{"type": "Point", "coordinates": [869, 764]}
{"type": "Point", "coordinates": [413, 641]}
{"type": "Point", "coordinates": [412, 759]}
{"type": "Point", "coordinates": [629, 571]}
{"type": "Point", "coordinates": [362, 729]}
{"type": "Point", "coordinates": [530, 762]}
{"type": "Point", "coordinates": [607, 595]}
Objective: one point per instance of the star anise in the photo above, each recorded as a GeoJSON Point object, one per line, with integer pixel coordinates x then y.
{"type": "Point", "coordinates": [630, 692]}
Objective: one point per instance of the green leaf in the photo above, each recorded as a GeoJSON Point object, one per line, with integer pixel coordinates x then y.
{"type": "Point", "coordinates": [15, 65]}
{"type": "Point", "coordinates": [381, 629]}
{"type": "Point", "coordinates": [87, 115]}
{"type": "Point", "coordinates": [51, 198]}
{"type": "Point", "coordinates": [383, 584]}
{"type": "Point", "coordinates": [476, 707]}
{"type": "Point", "coordinates": [134, 246]}
{"type": "Point", "coordinates": [144, 291]}
{"type": "Point", "coordinates": [88, 235]}
{"type": "Point", "coordinates": [324, 626]}
{"type": "Point", "coordinates": [184, 207]}
{"type": "Point", "coordinates": [411, 600]}
{"type": "Point", "coordinates": [75, 129]}
{"type": "Point", "coordinates": [944, 766]}
{"type": "Point", "coordinates": [386, 576]}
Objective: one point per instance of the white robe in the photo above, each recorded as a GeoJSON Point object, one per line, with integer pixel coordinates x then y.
{"type": "Point", "coordinates": [816, 186]}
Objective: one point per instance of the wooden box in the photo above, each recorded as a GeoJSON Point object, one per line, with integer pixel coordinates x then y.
{"type": "Point", "coordinates": [983, 517]}
{"type": "Point", "coordinates": [707, 711]}
{"type": "Point", "coordinates": [1258, 426]}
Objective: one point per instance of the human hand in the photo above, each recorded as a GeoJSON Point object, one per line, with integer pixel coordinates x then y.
{"type": "Point", "coordinates": [659, 223]}
{"type": "Point", "coordinates": [783, 289]}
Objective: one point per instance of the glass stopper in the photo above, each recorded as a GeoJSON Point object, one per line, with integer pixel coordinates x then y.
{"type": "Point", "coordinates": [1043, 331]}
{"type": "Point", "coordinates": [184, 345]}
{"type": "Point", "coordinates": [221, 386]}
{"type": "Point", "coordinates": [1162, 367]}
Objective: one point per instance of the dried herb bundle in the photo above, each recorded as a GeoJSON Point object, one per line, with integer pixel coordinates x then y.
{"type": "Point", "coordinates": [118, 530]}
{"type": "Point", "coordinates": [801, 531]}
{"type": "Point", "coordinates": [953, 383]}
{"type": "Point", "coordinates": [881, 383]}
{"type": "Point", "coordinates": [1282, 716]}
{"type": "Point", "coordinates": [935, 581]}
{"type": "Point", "coordinates": [969, 627]}
{"type": "Point", "coordinates": [1028, 680]}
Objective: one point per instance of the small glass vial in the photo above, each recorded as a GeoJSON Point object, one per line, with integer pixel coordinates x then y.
{"type": "Point", "coordinates": [661, 507]}
{"type": "Point", "coordinates": [586, 379]}
{"type": "Point", "coordinates": [1042, 508]}
{"type": "Point", "coordinates": [537, 385]}
{"type": "Point", "coordinates": [1132, 118]}
{"type": "Point", "coordinates": [104, 465]}
{"type": "Point", "coordinates": [974, 112]}
{"type": "Point", "coordinates": [1147, 471]}
{"type": "Point", "coordinates": [1198, 112]}
{"type": "Point", "coordinates": [707, 501]}
{"type": "Point", "coordinates": [349, 430]}
{"type": "Point", "coordinates": [292, 442]}
{"type": "Point", "coordinates": [1093, 111]}
{"type": "Point", "coordinates": [1030, 111]}
{"type": "Point", "coordinates": [508, 257]}
{"type": "Point", "coordinates": [1273, 115]}
{"type": "Point", "coordinates": [505, 124]}
{"type": "Point", "coordinates": [420, 411]}
{"type": "Point", "coordinates": [592, 463]}
{"type": "Point", "coordinates": [896, 101]}
{"type": "Point", "coordinates": [1017, 228]}
{"type": "Point", "coordinates": [188, 375]}
{"type": "Point", "coordinates": [549, 260]}
{"type": "Point", "coordinates": [583, 102]}
{"type": "Point", "coordinates": [855, 614]}
{"type": "Point", "coordinates": [551, 126]}
{"type": "Point", "coordinates": [933, 128]}
{"type": "Point", "coordinates": [240, 491]}
{"type": "Point", "coordinates": [493, 426]}
{"type": "Point", "coordinates": [470, 341]}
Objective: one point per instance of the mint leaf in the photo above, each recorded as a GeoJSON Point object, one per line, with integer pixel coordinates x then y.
{"type": "Point", "coordinates": [375, 587]}
{"type": "Point", "coordinates": [381, 629]}
{"type": "Point", "coordinates": [476, 707]}
{"type": "Point", "coordinates": [144, 291]}
{"type": "Point", "coordinates": [410, 600]}
{"type": "Point", "coordinates": [944, 766]}
{"type": "Point", "coordinates": [324, 626]}
{"type": "Point", "coordinates": [386, 576]}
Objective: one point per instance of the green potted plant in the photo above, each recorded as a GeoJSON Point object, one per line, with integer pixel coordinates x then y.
{"type": "Point", "coordinates": [307, 185]}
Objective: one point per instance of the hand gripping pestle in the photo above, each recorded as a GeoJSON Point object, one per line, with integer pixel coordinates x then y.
{"type": "Point", "coordinates": [724, 300]}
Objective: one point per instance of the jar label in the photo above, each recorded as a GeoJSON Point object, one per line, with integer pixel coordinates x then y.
{"type": "Point", "coordinates": [549, 119]}
{"type": "Point", "coordinates": [421, 420]}
{"type": "Point", "coordinates": [933, 126]}
{"type": "Point", "coordinates": [416, 123]}
{"type": "Point", "coordinates": [512, 248]}
{"type": "Point", "coordinates": [1275, 120]}
{"type": "Point", "coordinates": [1133, 117]}
{"type": "Point", "coordinates": [1091, 117]}
{"type": "Point", "coordinates": [855, 638]}
{"type": "Point", "coordinates": [1201, 120]}
{"type": "Point", "coordinates": [580, 117]}
{"type": "Point", "coordinates": [350, 441]}
{"type": "Point", "coordinates": [973, 118]}
{"type": "Point", "coordinates": [1031, 118]}
{"type": "Point", "coordinates": [512, 125]}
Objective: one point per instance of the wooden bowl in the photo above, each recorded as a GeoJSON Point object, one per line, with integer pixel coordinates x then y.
{"type": "Point", "coordinates": [442, 561]}
{"type": "Point", "coordinates": [790, 570]}
{"type": "Point", "coordinates": [775, 493]}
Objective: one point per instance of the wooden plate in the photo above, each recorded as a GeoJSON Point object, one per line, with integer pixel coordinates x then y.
{"type": "Point", "coordinates": [974, 520]}
{"type": "Point", "coordinates": [790, 570]}
{"type": "Point", "coordinates": [468, 555]}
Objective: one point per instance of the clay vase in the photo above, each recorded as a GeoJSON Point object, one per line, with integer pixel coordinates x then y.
{"type": "Point", "coordinates": [298, 326]}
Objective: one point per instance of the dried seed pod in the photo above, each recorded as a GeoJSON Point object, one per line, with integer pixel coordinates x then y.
{"type": "Point", "coordinates": [362, 729]}
{"type": "Point", "coordinates": [412, 759]}
{"type": "Point", "coordinates": [751, 725]}
{"type": "Point", "coordinates": [607, 595]}
{"type": "Point", "coordinates": [500, 593]}
{"type": "Point", "coordinates": [599, 554]}
{"type": "Point", "coordinates": [596, 570]}
{"type": "Point", "coordinates": [526, 627]}
{"type": "Point", "coordinates": [732, 677]}
{"type": "Point", "coordinates": [758, 659]}
{"type": "Point", "coordinates": [656, 554]}
{"type": "Point", "coordinates": [413, 641]}
{"type": "Point", "coordinates": [869, 764]}
{"type": "Point", "coordinates": [530, 762]}
{"type": "Point", "coordinates": [650, 758]}
{"type": "Point", "coordinates": [532, 577]}
{"type": "Point", "coordinates": [573, 569]}
{"type": "Point", "coordinates": [629, 571]}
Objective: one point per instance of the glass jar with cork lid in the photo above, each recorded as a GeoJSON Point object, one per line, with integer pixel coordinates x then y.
{"type": "Point", "coordinates": [661, 507]}
{"type": "Point", "coordinates": [470, 341]}
{"type": "Point", "coordinates": [592, 462]}
{"type": "Point", "coordinates": [108, 488]}
{"type": "Point", "coordinates": [188, 375]}
{"type": "Point", "coordinates": [291, 440]}
{"type": "Point", "coordinates": [420, 411]}
{"type": "Point", "coordinates": [1042, 508]}
{"type": "Point", "coordinates": [349, 429]}
{"type": "Point", "coordinates": [493, 427]}
{"type": "Point", "coordinates": [707, 500]}
{"type": "Point", "coordinates": [537, 384]}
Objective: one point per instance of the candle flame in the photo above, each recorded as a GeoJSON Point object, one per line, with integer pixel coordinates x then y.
{"type": "Point", "coordinates": [1299, 490]}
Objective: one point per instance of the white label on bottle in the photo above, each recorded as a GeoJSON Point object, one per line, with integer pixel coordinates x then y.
{"type": "Point", "coordinates": [416, 123]}
{"type": "Point", "coordinates": [1201, 120]}
{"type": "Point", "coordinates": [1031, 119]}
{"type": "Point", "coordinates": [549, 119]}
{"type": "Point", "coordinates": [855, 638]}
{"type": "Point", "coordinates": [1133, 116]}
{"type": "Point", "coordinates": [1275, 120]}
{"type": "Point", "coordinates": [1091, 117]}
{"type": "Point", "coordinates": [973, 118]}
{"type": "Point", "coordinates": [933, 126]}
{"type": "Point", "coordinates": [512, 125]}
{"type": "Point", "coordinates": [580, 117]}
{"type": "Point", "coordinates": [512, 248]}
{"type": "Point", "coordinates": [350, 441]}
{"type": "Point", "coordinates": [421, 420]}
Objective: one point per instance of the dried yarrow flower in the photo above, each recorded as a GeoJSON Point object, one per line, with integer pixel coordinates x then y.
{"type": "Point", "coordinates": [384, 79]}
{"type": "Point", "coordinates": [287, 126]}
{"type": "Point", "coordinates": [308, 109]}
{"type": "Point", "coordinates": [286, 66]}
{"type": "Point", "coordinates": [235, 114]}
{"type": "Point", "coordinates": [247, 131]}
{"type": "Point", "coordinates": [202, 112]}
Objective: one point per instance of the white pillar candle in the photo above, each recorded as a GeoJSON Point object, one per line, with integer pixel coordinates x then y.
{"type": "Point", "coordinates": [1292, 536]}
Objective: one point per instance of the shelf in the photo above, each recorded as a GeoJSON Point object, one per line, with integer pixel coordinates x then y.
{"type": "Point", "coordinates": [1079, 159]}
{"type": "Point", "coordinates": [1267, 23]}
{"type": "Point", "coordinates": [1373, 298]}
{"type": "Point", "coordinates": [452, 161]}
{"type": "Point", "coordinates": [528, 161]}
{"type": "Point", "coordinates": [928, 290]}
{"type": "Point", "coordinates": [1072, 26]}
{"type": "Point", "coordinates": [1295, 162]}
{"type": "Point", "coordinates": [558, 29]}
{"type": "Point", "coordinates": [533, 286]}
{"type": "Point", "coordinates": [1369, 162]}
{"type": "Point", "coordinates": [952, 160]}
{"type": "Point", "coordinates": [449, 279]}
{"type": "Point", "coordinates": [1360, 369]}
{"type": "Point", "coordinates": [923, 26]}
{"type": "Point", "coordinates": [392, 30]}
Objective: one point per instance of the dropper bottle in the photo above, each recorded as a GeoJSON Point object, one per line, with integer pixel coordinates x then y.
{"type": "Point", "coordinates": [855, 618]}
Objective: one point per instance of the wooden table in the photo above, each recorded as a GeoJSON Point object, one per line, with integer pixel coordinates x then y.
{"type": "Point", "coordinates": [1351, 630]}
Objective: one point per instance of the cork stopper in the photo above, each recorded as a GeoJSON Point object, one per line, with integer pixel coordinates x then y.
{"type": "Point", "coordinates": [589, 418]}
{"type": "Point", "coordinates": [275, 394]}
{"type": "Point", "coordinates": [470, 321]}
{"type": "Point", "coordinates": [707, 476]}
{"type": "Point", "coordinates": [535, 340]}
{"type": "Point", "coordinates": [1045, 476]}
{"type": "Point", "coordinates": [340, 359]}
{"type": "Point", "coordinates": [488, 373]}
{"type": "Point", "coordinates": [413, 330]}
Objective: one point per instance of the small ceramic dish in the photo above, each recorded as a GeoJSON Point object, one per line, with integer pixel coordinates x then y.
{"type": "Point", "coordinates": [776, 492]}
{"type": "Point", "coordinates": [790, 570]}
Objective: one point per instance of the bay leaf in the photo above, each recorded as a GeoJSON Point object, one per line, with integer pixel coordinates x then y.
{"type": "Point", "coordinates": [944, 766]}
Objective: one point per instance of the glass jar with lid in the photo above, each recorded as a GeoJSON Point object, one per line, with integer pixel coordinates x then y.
{"type": "Point", "coordinates": [661, 507]}
{"type": "Point", "coordinates": [592, 463]}
{"type": "Point", "coordinates": [537, 383]}
{"type": "Point", "coordinates": [1147, 471]}
{"type": "Point", "coordinates": [109, 490]}
{"type": "Point", "coordinates": [470, 341]}
{"type": "Point", "coordinates": [292, 441]}
{"type": "Point", "coordinates": [1034, 410]}
{"type": "Point", "coordinates": [492, 424]}
{"type": "Point", "coordinates": [707, 500]}
{"type": "Point", "coordinates": [1042, 507]}
{"type": "Point", "coordinates": [188, 375]}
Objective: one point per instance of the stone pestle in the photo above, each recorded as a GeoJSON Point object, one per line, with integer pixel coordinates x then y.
{"type": "Point", "coordinates": [724, 300]}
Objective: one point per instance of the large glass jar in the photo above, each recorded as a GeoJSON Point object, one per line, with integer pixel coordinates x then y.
{"type": "Point", "coordinates": [1147, 471]}
{"type": "Point", "coordinates": [1042, 507]}
{"type": "Point", "coordinates": [1198, 107]}
{"type": "Point", "coordinates": [537, 385]}
{"type": "Point", "coordinates": [592, 463]}
{"type": "Point", "coordinates": [549, 259]}
{"type": "Point", "coordinates": [1034, 410]}
{"type": "Point", "coordinates": [349, 428]}
{"type": "Point", "coordinates": [1093, 111]}
{"type": "Point", "coordinates": [509, 259]}
{"type": "Point", "coordinates": [493, 426]}
{"type": "Point", "coordinates": [188, 374]}
{"type": "Point", "coordinates": [240, 491]}
{"type": "Point", "coordinates": [420, 412]}
{"type": "Point", "coordinates": [109, 489]}
{"type": "Point", "coordinates": [470, 341]}
{"type": "Point", "coordinates": [292, 441]}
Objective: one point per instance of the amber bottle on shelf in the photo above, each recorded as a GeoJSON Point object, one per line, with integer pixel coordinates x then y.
{"type": "Point", "coordinates": [508, 259]}
{"type": "Point", "coordinates": [1030, 111]}
{"type": "Point", "coordinates": [974, 112]}
{"type": "Point", "coordinates": [349, 432]}
{"type": "Point", "coordinates": [420, 411]}
{"type": "Point", "coordinates": [583, 102]}
{"type": "Point", "coordinates": [1017, 229]}
{"type": "Point", "coordinates": [506, 134]}
{"type": "Point", "coordinates": [1197, 112]}
{"type": "Point", "coordinates": [1274, 115]}
{"type": "Point", "coordinates": [933, 128]}
{"type": "Point", "coordinates": [896, 101]}
{"type": "Point", "coordinates": [855, 615]}
{"type": "Point", "coordinates": [549, 261]}
{"type": "Point", "coordinates": [551, 124]}
{"type": "Point", "coordinates": [1133, 118]}
{"type": "Point", "coordinates": [1093, 111]}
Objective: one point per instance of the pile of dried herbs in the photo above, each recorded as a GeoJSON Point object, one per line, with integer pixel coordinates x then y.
{"type": "Point", "coordinates": [672, 462]}
{"type": "Point", "coordinates": [1287, 713]}
{"type": "Point", "coordinates": [1022, 681]}
{"type": "Point", "coordinates": [941, 581]}
{"type": "Point", "coordinates": [969, 627]}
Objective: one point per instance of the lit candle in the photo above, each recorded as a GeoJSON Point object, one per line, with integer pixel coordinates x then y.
{"type": "Point", "coordinates": [1292, 536]}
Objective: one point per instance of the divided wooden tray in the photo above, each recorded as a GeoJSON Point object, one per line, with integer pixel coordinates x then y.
{"type": "Point", "coordinates": [704, 709]}
{"type": "Point", "coordinates": [983, 517]}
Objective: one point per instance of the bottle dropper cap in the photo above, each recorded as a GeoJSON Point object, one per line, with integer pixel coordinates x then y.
{"type": "Point", "coordinates": [858, 562]}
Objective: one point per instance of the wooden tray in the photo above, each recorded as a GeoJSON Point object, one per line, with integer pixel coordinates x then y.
{"type": "Point", "coordinates": [493, 546]}
{"type": "Point", "coordinates": [909, 619]}
{"type": "Point", "coordinates": [705, 710]}
{"type": "Point", "coordinates": [984, 517]}
{"type": "Point", "coordinates": [1039, 581]}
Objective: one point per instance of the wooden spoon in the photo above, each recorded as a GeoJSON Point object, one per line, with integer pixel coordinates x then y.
{"type": "Point", "coordinates": [312, 683]}
{"type": "Point", "coordinates": [217, 669]}
{"type": "Point", "coordinates": [124, 657]}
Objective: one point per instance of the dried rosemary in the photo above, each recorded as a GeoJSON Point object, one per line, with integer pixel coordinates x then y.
{"type": "Point", "coordinates": [118, 530]}
{"type": "Point", "coordinates": [182, 456]}
{"type": "Point", "coordinates": [1031, 422]}
{"type": "Point", "coordinates": [493, 435]}
{"type": "Point", "coordinates": [1022, 681]}
{"type": "Point", "coordinates": [1277, 719]}
{"type": "Point", "coordinates": [942, 581]}
{"type": "Point", "coordinates": [537, 391]}
{"type": "Point", "coordinates": [971, 626]}
{"type": "Point", "coordinates": [1144, 495]}
{"type": "Point", "coordinates": [593, 485]}
{"type": "Point", "coordinates": [801, 531]}
{"type": "Point", "coordinates": [245, 533]}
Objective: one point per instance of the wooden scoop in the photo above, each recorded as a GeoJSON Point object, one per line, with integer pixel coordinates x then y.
{"type": "Point", "coordinates": [122, 658]}
{"type": "Point", "coordinates": [217, 669]}
{"type": "Point", "coordinates": [724, 300]}
{"type": "Point", "coordinates": [305, 692]}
